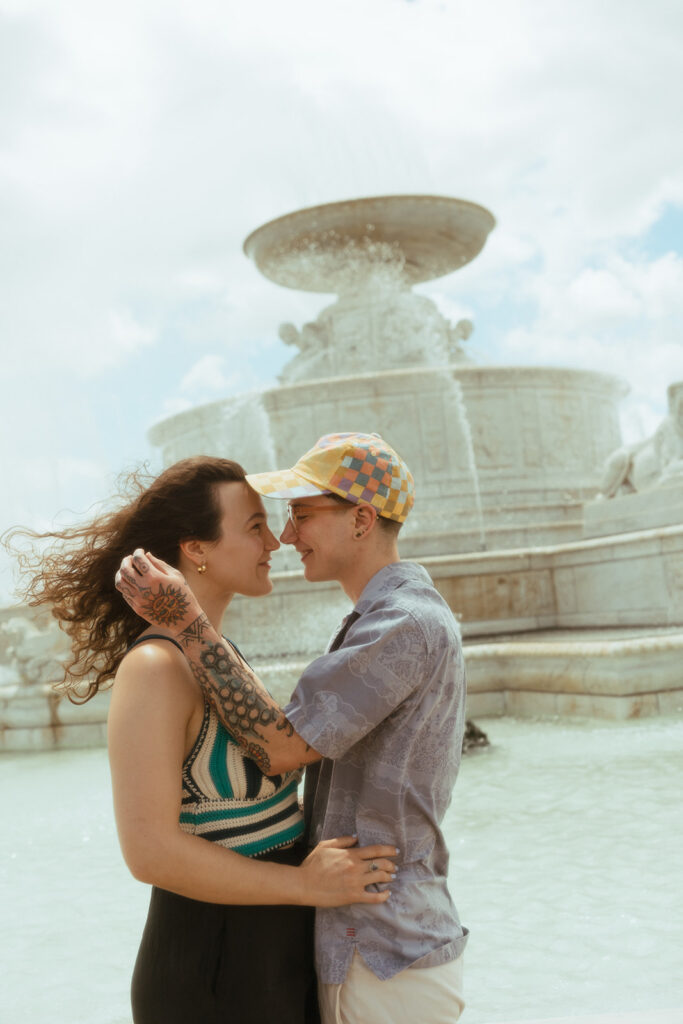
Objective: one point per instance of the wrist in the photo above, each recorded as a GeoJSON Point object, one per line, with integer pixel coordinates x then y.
{"type": "Point", "coordinates": [195, 628]}
{"type": "Point", "coordinates": [296, 891]}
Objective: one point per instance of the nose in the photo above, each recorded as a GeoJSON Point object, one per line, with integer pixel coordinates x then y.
{"type": "Point", "coordinates": [272, 543]}
{"type": "Point", "coordinates": [289, 534]}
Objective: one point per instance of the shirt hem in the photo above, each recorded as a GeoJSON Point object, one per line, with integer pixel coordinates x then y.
{"type": "Point", "coordinates": [434, 958]}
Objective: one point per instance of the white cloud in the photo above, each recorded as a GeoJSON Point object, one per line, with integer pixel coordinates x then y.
{"type": "Point", "coordinates": [624, 318]}
{"type": "Point", "coordinates": [207, 377]}
{"type": "Point", "coordinates": [76, 483]}
{"type": "Point", "coordinates": [214, 377]}
{"type": "Point", "coordinates": [126, 335]}
{"type": "Point", "coordinates": [174, 405]}
{"type": "Point", "coordinates": [46, 494]}
{"type": "Point", "coordinates": [635, 296]}
{"type": "Point", "coordinates": [143, 142]}
{"type": "Point", "coordinates": [204, 281]}
{"type": "Point", "coordinates": [601, 297]}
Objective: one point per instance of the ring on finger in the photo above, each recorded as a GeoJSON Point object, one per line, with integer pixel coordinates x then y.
{"type": "Point", "coordinates": [374, 866]}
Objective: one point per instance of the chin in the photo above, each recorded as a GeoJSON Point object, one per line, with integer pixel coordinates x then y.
{"type": "Point", "coordinates": [259, 588]}
{"type": "Point", "coordinates": [315, 577]}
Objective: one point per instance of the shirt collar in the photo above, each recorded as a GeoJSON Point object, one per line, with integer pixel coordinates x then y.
{"type": "Point", "coordinates": [388, 578]}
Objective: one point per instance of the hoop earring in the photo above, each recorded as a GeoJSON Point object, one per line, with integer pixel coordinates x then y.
{"type": "Point", "coordinates": [201, 568]}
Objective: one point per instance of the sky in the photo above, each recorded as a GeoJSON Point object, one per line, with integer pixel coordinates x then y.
{"type": "Point", "coordinates": [140, 142]}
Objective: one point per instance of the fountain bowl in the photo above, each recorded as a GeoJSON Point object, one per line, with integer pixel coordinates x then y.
{"type": "Point", "coordinates": [318, 248]}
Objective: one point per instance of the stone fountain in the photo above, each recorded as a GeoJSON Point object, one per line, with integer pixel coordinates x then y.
{"type": "Point", "coordinates": [508, 462]}
{"type": "Point", "coordinates": [534, 521]}
{"type": "Point", "coordinates": [502, 456]}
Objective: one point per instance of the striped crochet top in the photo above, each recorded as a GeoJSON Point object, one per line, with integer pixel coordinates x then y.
{"type": "Point", "coordinates": [227, 798]}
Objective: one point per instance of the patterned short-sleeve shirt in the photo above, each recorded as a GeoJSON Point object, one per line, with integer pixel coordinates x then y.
{"type": "Point", "coordinates": [386, 709]}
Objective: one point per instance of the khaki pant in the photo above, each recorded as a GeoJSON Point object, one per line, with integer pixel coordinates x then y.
{"type": "Point", "coordinates": [428, 995]}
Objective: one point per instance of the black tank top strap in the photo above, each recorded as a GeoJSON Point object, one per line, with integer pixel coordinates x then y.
{"type": "Point", "coordinates": [160, 636]}
{"type": "Point", "coordinates": [154, 636]}
{"type": "Point", "coordinates": [236, 648]}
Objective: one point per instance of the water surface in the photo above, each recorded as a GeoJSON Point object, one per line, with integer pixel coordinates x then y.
{"type": "Point", "coordinates": [565, 838]}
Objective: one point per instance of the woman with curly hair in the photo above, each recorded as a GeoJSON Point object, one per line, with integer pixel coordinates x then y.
{"type": "Point", "coordinates": [229, 930]}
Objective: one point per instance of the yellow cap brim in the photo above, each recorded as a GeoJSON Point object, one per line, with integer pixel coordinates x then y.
{"type": "Point", "coordinates": [283, 483]}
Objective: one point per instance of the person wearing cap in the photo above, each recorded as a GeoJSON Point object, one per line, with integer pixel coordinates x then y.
{"type": "Point", "coordinates": [378, 719]}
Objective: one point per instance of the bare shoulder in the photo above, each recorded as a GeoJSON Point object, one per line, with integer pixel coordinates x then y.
{"type": "Point", "coordinates": [158, 671]}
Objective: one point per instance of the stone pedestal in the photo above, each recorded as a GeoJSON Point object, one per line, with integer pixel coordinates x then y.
{"type": "Point", "coordinates": [36, 719]}
{"type": "Point", "coordinates": [589, 628]}
{"type": "Point", "coordinates": [626, 513]}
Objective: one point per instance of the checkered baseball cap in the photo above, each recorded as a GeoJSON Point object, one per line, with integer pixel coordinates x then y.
{"type": "Point", "coordinates": [362, 468]}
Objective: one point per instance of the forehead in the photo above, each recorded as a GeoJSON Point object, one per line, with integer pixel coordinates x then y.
{"type": "Point", "coordinates": [238, 501]}
{"type": "Point", "coordinates": [312, 501]}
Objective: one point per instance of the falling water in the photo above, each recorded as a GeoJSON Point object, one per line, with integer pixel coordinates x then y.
{"type": "Point", "coordinates": [244, 428]}
{"type": "Point", "coordinates": [379, 324]}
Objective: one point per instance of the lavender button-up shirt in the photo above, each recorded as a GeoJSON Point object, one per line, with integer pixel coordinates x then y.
{"type": "Point", "coordinates": [386, 709]}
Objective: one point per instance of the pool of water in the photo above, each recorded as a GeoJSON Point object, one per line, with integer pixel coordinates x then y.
{"type": "Point", "coordinates": [566, 842]}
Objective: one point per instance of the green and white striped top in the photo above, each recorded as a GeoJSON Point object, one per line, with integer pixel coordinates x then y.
{"type": "Point", "coordinates": [227, 798]}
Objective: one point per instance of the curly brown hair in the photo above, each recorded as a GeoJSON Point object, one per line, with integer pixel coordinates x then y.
{"type": "Point", "coordinates": [75, 574]}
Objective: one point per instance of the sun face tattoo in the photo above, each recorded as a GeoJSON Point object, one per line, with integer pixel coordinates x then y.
{"type": "Point", "coordinates": [165, 607]}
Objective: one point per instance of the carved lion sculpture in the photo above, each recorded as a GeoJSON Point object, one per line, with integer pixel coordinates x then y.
{"type": "Point", "coordinates": [654, 462]}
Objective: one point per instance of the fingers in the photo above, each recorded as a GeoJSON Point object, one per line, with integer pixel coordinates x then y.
{"type": "Point", "coordinates": [126, 571]}
{"type": "Point", "coordinates": [130, 582]}
{"type": "Point", "coordinates": [133, 567]}
{"type": "Point", "coordinates": [159, 563]}
{"type": "Point", "coordinates": [126, 579]}
{"type": "Point", "coordinates": [339, 873]}
{"type": "Point", "coordinates": [375, 897]}
{"type": "Point", "coordinates": [340, 842]}
{"type": "Point", "coordinates": [380, 865]}
{"type": "Point", "coordinates": [139, 562]}
{"type": "Point", "coordinates": [373, 852]}
{"type": "Point", "coordinates": [144, 562]}
{"type": "Point", "coordinates": [376, 863]}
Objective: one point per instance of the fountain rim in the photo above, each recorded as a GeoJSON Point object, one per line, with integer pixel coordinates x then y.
{"type": "Point", "coordinates": [497, 373]}
{"type": "Point", "coordinates": [307, 214]}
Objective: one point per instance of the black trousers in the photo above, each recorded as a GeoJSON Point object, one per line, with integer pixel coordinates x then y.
{"type": "Point", "coordinates": [205, 963]}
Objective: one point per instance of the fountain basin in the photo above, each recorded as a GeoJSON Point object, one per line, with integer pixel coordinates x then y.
{"type": "Point", "coordinates": [539, 436]}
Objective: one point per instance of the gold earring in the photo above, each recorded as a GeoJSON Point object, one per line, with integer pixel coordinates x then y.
{"type": "Point", "coordinates": [201, 568]}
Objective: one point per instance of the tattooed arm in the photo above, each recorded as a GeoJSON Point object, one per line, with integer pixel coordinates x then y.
{"type": "Point", "coordinates": [152, 705]}
{"type": "Point", "coordinates": [160, 595]}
